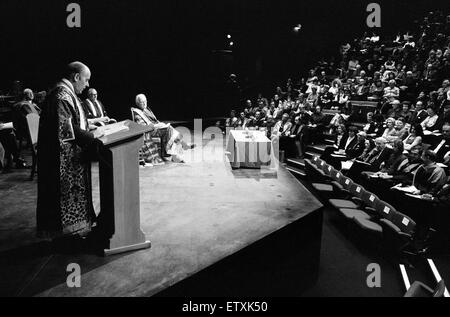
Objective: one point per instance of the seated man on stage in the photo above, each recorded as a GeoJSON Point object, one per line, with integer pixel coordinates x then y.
{"type": "Point", "coordinates": [20, 111]}
{"type": "Point", "coordinates": [95, 111]}
{"type": "Point", "coordinates": [172, 142]}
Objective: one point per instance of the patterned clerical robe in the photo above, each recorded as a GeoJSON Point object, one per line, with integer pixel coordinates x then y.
{"type": "Point", "coordinates": [64, 204]}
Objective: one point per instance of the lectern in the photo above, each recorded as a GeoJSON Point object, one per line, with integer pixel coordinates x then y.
{"type": "Point", "coordinates": [119, 218]}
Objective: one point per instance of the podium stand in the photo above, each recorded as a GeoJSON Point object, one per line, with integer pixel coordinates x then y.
{"type": "Point", "coordinates": [119, 218]}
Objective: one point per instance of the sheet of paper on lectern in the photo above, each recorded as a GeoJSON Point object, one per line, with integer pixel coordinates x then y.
{"type": "Point", "coordinates": [113, 128]}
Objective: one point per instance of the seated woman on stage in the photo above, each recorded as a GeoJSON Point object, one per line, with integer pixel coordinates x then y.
{"type": "Point", "coordinates": [171, 140]}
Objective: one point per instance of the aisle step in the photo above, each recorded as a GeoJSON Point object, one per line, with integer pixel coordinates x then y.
{"type": "Point", "coordinates": [298, 163]}
{"type": "Point", "coordinates": [296, 171]}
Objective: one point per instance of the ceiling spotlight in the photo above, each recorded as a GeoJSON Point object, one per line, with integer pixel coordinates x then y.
{"type": "Point", "coordinates": [229, 36]}
{"type": "Point", "coordinates": [231, 43]}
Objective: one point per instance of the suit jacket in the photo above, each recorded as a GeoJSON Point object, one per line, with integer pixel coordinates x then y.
{"type": "Point", "coordinates": [343, 142]}
{"type": "Point", "coordinates": [418, 118]}
{"type": "Point", "coordinates": [355, 148]}
{"type": "Point", "coordinates": [375, 158]}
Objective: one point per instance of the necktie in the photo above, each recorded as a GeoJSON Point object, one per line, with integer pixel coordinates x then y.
{"type": "Point", "coordinates": [99, 108]}
{"type": "Point", "coordinates": [92, 107]}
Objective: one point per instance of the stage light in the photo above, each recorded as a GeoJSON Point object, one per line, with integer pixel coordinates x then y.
{"type": "Point", "coordinates": [297, 28]}
{"type": "Point", "coordinates": [231, 43]}
{"type": "Point", "coordinates": [229, 36]}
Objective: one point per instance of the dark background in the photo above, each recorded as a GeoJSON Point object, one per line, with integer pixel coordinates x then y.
{"type": "Point", "coordinates": [173, 51]}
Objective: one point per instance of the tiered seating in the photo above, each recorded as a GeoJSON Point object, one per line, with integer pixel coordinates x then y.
{"type": "Point", "coordinates": [360, 207]}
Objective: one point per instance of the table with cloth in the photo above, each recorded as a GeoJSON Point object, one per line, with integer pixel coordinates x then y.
{"type": "Point", "coordinates": [249, 149]}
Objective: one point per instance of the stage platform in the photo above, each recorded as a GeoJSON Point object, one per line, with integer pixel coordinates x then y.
{"type": "Point", "coordinates": [214, 231]}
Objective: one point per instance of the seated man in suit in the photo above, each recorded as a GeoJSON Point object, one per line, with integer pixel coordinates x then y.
{"type": "Point", "coordinates": [26, 105]}
{"type": "Point", "coordinates": [349, 147]}
{"type": "Point", "coordinates": [443, 146]}
{"type": "Point", "coordinates": [95, 111]}
{"type": "Point", "coordinates": [372, 162]}
{"type": "Point", "coordinates": [172, 142]}
{"type": "Point", "coordinates": [20, 111]}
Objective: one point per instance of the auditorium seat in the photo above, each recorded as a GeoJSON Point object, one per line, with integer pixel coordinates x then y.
{"type": "Point", "coordinates": [398, 234]}
{"type": "Point", "coordinates": [368, 225]}
{"type": "Point", "coordinates": [321, 187]}
{"type": "Point", "coordinates": [353, 213]}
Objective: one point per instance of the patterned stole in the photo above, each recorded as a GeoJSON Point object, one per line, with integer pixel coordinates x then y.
{"type": "Point", "coordinates": [150, 115]}
{"type": "Point", "coordinates": [92, 108]}
{"type": "Point", "coordinates": [99, 108]}
{"type": "Point", "coordinates": [142, 115]}
{"type": "Point", "coordinates": [76, 103]}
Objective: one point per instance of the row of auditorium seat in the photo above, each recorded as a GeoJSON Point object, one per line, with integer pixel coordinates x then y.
{"type": "Point", "coordinates": [361, 207]}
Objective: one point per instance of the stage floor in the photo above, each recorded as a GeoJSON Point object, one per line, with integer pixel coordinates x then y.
{"type": "Point", "coordinates": [194, 214]}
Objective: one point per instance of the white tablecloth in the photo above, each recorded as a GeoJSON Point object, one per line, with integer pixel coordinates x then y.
{"type": "Point", "coordinates": [248, 148]}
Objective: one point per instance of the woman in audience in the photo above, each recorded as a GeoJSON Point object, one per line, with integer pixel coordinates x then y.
{"type": "Point", "coordinates": [400, 131]}
{"type": "Point", "coordinates": [390, 128]}
{"type": "Point", "coordinates": [430, 122]}
{"type": "Point", "coordinates": [313, 97]}
{"type": "Point", "coordinates": [414, 138]}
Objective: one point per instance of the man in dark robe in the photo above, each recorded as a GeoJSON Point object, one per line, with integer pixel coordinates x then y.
{"type": "Point", "coordinates": [64, 206]}
{"type": "Point", "coordinates": [95, 111]}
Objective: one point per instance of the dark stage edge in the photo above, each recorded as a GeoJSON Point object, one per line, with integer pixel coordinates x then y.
{"type": "Point", "coordinates": [214, 232]}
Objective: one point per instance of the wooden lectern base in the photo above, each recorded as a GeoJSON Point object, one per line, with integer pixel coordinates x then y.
{"type": "Point", "coordinates": [119, 218]}
{"type": "Point", "coordinates": [143, 245]}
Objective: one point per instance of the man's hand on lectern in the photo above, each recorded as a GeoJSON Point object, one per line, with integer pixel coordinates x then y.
{"type": "Point", "coordinates": [98, 134]}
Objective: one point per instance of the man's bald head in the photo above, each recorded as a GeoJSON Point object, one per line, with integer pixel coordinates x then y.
{"type": "Point", "coordinates": [75, 68]}
{"type": "Point", "coordinates": [79, 75]}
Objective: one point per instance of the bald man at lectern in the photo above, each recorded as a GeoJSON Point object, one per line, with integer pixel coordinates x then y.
{"type": "Point", "coordinates": [64, 206]}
